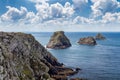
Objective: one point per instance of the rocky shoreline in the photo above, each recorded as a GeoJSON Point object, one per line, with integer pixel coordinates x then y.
{"type": "Point", "coordinates": [24, 58]}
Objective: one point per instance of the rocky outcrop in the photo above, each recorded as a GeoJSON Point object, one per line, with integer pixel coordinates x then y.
{"type": "Point", "coordinates": [87, 41]}
{"type": "Point", "coordinates": [58, 41]}
{"type": "Point", "coordinates": [99, 36]}
{"type": "Point", "coordinates": [24, 58]}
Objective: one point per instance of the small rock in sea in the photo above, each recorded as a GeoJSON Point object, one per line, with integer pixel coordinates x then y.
{"type": "Point", "coordinates": [99, 36]}
{"type": "Point", "coordinates": [78, 69]}
{"type": "Point", "coordinates": [87, 41]}
{"type": "Point", "coordinates": [58, 41]}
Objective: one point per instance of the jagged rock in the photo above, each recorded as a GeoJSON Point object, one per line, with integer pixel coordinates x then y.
{"type": "Point", "coordinates": [58, 41]}
{"type": "Point", "coordinates": [24, 58]}
{"type": "Point", "coordinates": [87, 41]}
{"type": "Point", "coordinates": [99, 36]}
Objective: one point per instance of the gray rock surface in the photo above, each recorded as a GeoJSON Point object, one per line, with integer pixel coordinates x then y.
{"type": "Point", "coordinates": [58, 41]}
{"type": "Point", "coordinates": [87, 41]}
{"type": "Point", "coordinates": [99, 36]}
{"type": "Point", "coordinates": [24, 58]}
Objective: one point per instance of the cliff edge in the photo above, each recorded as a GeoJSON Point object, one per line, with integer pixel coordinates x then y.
{"type": "Point", "coordinates": [24, 58]}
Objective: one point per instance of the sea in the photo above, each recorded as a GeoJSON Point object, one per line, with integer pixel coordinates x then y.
{"type": "Point", "coordinates": [99, 62]}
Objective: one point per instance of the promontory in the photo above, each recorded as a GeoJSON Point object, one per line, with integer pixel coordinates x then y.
{"type": "Point", "coordinates": [24, 58]}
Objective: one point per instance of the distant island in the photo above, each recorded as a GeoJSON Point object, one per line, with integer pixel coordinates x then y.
{"type": "Point", "coordinates": [99, 36]}
{"type": "Point", "coordinates": [87, 41]}
{"type": "Point", "coordinates": [59, 41]}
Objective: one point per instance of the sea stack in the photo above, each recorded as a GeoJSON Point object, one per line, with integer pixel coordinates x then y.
{"type": "Point", "coordinates": [59, 41]}
{"type": "Point", "coordinates": [87, 41]}
{"type": "Point", "coordinates": [24, 58]}
{"type": "Point", "coordinates": [99, 36]}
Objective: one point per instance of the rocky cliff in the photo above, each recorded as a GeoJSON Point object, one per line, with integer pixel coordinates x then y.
{"type": "Point", "coordinates": [58, 41]}
{"type": "Point", "coordinates": [24, 58]}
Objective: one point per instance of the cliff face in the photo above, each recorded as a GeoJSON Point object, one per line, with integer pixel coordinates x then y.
{"type": "Point", "coordinates": [58, 41]}
{"type": "Point", "coordinates": [23, 58]}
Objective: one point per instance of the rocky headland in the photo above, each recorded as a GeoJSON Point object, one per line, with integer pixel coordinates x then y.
{"type": "Point", "coordinates": [24, 58]}
{"type": "Point", "coordinates": [99, 36]}
{"type": "Point", "coordinates": [87, 41]}
{"type": "Point", "coordinates": [59, 41]}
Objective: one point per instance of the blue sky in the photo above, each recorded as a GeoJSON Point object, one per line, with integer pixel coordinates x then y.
{"type": "Point", "coordinates": [67, 15]}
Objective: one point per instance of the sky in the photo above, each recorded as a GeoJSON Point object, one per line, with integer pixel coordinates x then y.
{"type": "Point", "coordinates": [54, 15]}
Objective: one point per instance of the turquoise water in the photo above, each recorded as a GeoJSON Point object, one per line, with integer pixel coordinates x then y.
{"type": "Point", "coordinates": [100, 62]}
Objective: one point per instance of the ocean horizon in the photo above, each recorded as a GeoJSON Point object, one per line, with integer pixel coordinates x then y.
{"type": "Point", "coordinates": [26, 41]}
{"type": "Point", "coordinates": [99, 62]}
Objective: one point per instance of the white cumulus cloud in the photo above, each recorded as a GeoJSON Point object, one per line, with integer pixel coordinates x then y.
{"type": "Point", "coordinates": [56, 10]}
{"type": "Point", "coordinates": [68, 9]}
{"type": "Point", "coordinates": [83, 20]}
{"type": "Point", "coordinates": [14, 14]}
{"type": "Point", "coordinates": [64, 14]}
{"type": "Point", "coordinates": [100, 7]}
{"type": "Point", "coordinates": [111, 18]}
{"type": "Point", "coordinates": [42, 11]}
{"type": "Point", "coordinates": [46, 11]}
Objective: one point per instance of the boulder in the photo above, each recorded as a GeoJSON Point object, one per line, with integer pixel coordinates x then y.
{"type": "Point", "coordinates": [24, 58]}
{"type": "Point", "coordinates": [87, 41]}
{"type": "Point", "coordinates": [58, 41]}
{"type": "Point", "coordinates": [99, 36]}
